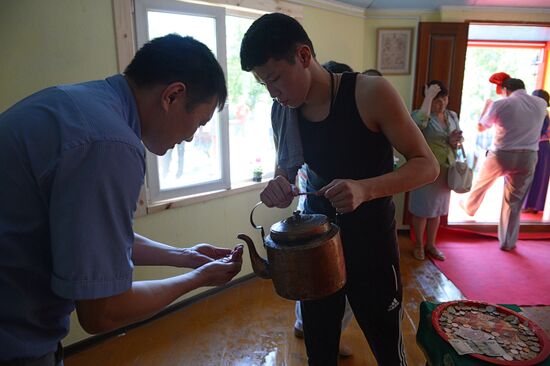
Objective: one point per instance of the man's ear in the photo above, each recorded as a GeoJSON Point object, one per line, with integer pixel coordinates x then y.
{"type": "Point", "coordinates": [304, 55]}
{"type": "Point", "coordinates": [173, 93]}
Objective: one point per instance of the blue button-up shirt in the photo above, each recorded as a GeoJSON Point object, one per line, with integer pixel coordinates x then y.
{"type": "Point", "coordinates": [71, 167]}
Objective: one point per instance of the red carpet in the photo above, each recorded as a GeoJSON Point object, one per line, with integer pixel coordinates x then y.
{"type": "Point", "coordinates": [531, 217]}
{"type": "Point", "coordinates": [522, 236]}
{"type": "Point", "coordinates": [482, 271]}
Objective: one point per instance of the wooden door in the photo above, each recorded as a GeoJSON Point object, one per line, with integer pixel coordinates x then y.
{"type": "Point", "coordinates": [441, 55]}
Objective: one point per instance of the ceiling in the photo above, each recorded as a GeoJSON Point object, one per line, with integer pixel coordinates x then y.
{"type": "Point", "coordinates": [499, 32]}
{"type": "Point", "coordinates": [435, 4]}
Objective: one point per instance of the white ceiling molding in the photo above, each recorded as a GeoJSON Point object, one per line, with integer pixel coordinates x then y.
{"type": "Point", "coordinates": [496, 9]}
{"type": "Point", "coordinates": [332, 5]}
{"type": "Point", "coordinates": [264, 6]}
{"type": "Point", "coordinates": [398, 13]}
{"type": "Point", "coordinates": [416, 18]}
{"type": "Point", "coordinates": [356, 11]}
{"type": "Point", "coordinates": [401, 10]}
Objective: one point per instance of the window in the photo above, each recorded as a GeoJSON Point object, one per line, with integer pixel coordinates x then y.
{"type": "Point", "coordinates": [238, 140]}
{"type": "Point", "coordinates": [250, 133]}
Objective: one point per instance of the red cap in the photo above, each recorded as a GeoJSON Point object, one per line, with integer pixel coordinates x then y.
{"type": "Point", "coordinates": [498, 78]}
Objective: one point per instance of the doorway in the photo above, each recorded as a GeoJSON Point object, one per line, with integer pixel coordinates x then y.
{"type": "Point", "coordinates": [521, 51]}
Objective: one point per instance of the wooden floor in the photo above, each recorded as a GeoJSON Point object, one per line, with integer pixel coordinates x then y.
{"type": "Point", "coordinates": [249, 324]}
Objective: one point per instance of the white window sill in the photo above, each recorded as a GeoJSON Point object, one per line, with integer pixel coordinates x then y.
{"type": "Point", "coordinates": [207, 196]}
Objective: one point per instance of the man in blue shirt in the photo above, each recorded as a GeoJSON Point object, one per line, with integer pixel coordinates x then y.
{"type": "Point", "coordinates": [72, 162]}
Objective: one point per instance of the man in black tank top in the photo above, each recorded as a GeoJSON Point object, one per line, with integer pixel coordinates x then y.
{"type": "Point", "coordinates": [342, 128]}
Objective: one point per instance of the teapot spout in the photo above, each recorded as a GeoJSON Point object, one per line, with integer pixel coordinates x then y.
{"type": "Point", "coordinates": [259, 265]}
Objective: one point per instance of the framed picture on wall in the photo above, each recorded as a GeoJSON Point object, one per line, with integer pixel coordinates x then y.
{"type": "Point", "coordinates": [393, 50]}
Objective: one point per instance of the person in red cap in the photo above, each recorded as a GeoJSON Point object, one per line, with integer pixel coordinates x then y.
{"type": "Point", "coordinates": [485, 138]}
{"type": "Point", "coordinates": [518, 120]}
{"type": "Point", "coordinates": [498, 78]}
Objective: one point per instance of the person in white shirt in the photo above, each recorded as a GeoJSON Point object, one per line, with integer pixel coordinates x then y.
{"type": "Point", "coordinates": [517, 120]}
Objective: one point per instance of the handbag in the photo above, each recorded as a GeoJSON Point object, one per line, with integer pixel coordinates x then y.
{"type": "Point", "coordinates": [460, 175]}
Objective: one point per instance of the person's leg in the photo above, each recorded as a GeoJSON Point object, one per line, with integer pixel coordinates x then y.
{"type": "Point", "coordinates": [322, 322]}
{"type": "Point", "coordinates": [377, 305]}
{"type": "Point", "coordinates": [344, 350]}
{"type": "Point", "coordinates": [520, 168]}
{"type": "Point", "coordinates": [59, 355]}
{"type": "Point", "coordinates": [432, 228]}
{"type": "Point", "coordinates": [382, 328]}
{"type": "Point", "coordinates": [419, 226]}
{"type": "Point", "coordinates": [490, 171]}
{"type": "Point", "coordinates": [348, 315]}
{"type": "Point", "coordinates": [298, 325]}
{"type": "Point", "coordinates": [374, 287]}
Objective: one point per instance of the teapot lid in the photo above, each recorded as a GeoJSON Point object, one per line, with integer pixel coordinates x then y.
{"type": "Point", "coordinates": [300, 226]}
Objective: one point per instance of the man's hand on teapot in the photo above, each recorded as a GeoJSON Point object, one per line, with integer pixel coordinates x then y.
{"type": "Point", "coordinates": [345, 195]}
{"type": "Point", "coordinates": [431, 91]}
{"type": "Point", "coordinates": [278, 193]}
{"type": "Point", "coordinates": [222, 270]}
{"type": "Point", "coordinates": [201, 254]}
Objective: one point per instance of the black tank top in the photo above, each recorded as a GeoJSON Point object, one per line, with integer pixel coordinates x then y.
{"type": "Point", "coordinates": [342, 146]}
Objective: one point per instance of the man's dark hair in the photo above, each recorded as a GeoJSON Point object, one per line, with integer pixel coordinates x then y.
{"type": "Point", "coordinates": [372, 72]}
{"type": "Point", "coordinates": [336, 67]}
{"type": "Point", "coordinates": [512, 84]}
{"type": "Point", "coordinates": [541, 93]}
{"type": "Point", "coordinates": [274, 36]}
{"type": "Point", "coordinates": [174, 58]}
{"type": "Point", "coordinates": [442, 93]}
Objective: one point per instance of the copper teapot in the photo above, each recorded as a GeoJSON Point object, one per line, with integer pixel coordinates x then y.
{"type": "Point", "coordinates": [305, 258]}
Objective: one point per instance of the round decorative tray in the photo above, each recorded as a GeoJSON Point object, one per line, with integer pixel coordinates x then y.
{"type": "Point", "coordinates": [491, 333]}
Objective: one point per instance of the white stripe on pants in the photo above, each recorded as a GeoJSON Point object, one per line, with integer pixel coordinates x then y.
{"type": "Point", "coordinates": [518, 168]}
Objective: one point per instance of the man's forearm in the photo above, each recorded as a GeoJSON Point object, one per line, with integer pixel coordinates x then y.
{"type": "Point", "coordinates": [147, 252]}
{"type": "Point", "coordinates": [142, 301]}
{"type": "Point", "coordinates": [415, 173]}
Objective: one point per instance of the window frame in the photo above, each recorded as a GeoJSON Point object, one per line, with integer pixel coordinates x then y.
{"type": "Point", "coordinates": [126, 46]}
{"type": "Point", "coordinates": [535, 45]}
{"type": "Point", "coordinates": [142, 7]}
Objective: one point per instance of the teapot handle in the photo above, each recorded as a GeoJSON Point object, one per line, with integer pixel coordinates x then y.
{"type": "Point", "coordinates": [258, 227]}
